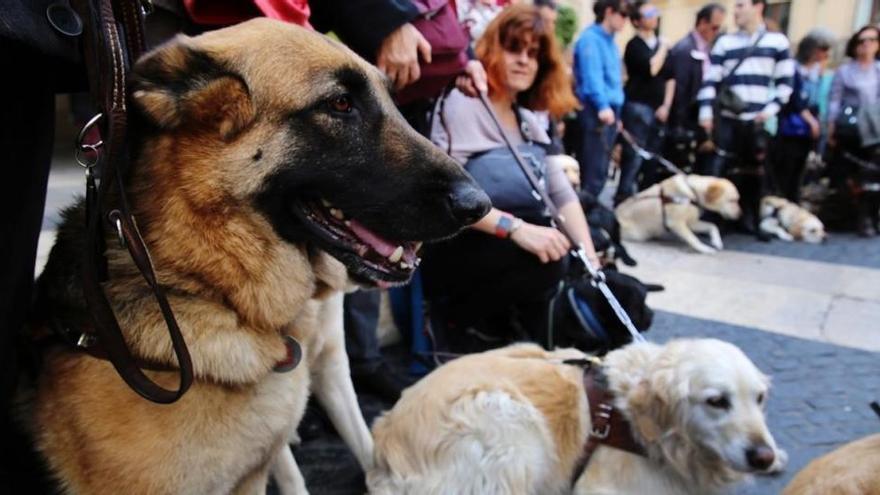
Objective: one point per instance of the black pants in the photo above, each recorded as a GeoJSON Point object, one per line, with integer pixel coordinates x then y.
{"type": "Point", "coordinates": [741, 157]}
{"type": "Point", "coordinates": [479, 280]}
{"type": "Point", "coordinates": [790, 159]}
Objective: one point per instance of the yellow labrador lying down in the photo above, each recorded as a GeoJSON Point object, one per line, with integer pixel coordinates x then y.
{"type": "Point", "coordinates": [516, 421]}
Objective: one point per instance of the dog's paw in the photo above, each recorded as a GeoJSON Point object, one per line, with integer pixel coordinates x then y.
{"type": "Point", "coordinates": [704, 249]}
{"type": "Point", "coordinates": [717, 244]}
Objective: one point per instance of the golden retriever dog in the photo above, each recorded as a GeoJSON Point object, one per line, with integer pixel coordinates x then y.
{"type": "Point", "coordinates": [789, 221]}
{"type": "Point", "coordinates": [515, 420]}
{"type": "Point", "coordinates": [674, 205]}
{"type": "Point", "coordinates": [848, 470]}
{"type": "Point", "coordinates": [269, 168]}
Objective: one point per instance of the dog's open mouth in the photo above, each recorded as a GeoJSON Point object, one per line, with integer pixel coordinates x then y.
{"type": "Point", "coordinates": [369, 257]}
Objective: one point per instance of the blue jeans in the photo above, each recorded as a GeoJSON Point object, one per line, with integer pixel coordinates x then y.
{"type": "Point", "coordinates": [595, 149]}
{"type": "Point", "coordinates": [639, 121]}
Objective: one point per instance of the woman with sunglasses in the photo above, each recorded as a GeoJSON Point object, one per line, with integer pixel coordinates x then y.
{"type": "Point", "coordinates": [856, 87]}
{"type": "Point", "coordinates": [510, 261]}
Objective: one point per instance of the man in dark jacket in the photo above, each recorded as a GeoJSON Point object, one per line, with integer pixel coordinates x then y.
{"type": "Point", "coordinates": [687, 61]}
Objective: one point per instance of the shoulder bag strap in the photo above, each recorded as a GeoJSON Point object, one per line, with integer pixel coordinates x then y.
{"type": "Point", "coordinates": [748, 53]}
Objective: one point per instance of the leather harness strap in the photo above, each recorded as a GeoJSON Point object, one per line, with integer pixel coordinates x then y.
{"type": "Point", "coordinates": [113, 40]}
{"type": "Point", "coordinates": [608, 426]}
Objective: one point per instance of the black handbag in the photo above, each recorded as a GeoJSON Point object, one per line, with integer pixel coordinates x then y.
{"type": "Point", "coordinates": [726, 98]}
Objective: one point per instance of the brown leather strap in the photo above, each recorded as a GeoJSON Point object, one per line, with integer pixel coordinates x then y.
{"type": "Point", "coordinates": [608, 426]}
{"type": "Point", "coordinates": [113, 41]}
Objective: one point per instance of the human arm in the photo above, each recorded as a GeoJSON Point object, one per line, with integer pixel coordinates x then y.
{"type": "Point", "coordinates": [590, 80]}
{"type": "Point", "coordinates": [659, 58]}
{"type": "Point", "coordinates": [783, 76]}
{"type": "Point", "coordinates": [709, 90]}
{"type": "Point", "coordinates": [398, 55]}
{"type": "Point", "coordinates": [662, 112]}
{"type": "Point", "coordinates": [547, 243]}
{"type": "Point", "coordinates": [364, 24]}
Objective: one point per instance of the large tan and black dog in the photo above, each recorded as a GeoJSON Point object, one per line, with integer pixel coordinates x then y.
{"type": "Point", "coordinates": [257, 150]}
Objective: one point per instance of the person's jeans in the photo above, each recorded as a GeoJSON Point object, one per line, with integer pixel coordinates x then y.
{"type": "Point", "coordinates": [361, 320]}
{"type": "Point", "coordinates": [595, 149]}
{"type": "Point", "coordinates": [639, 121]}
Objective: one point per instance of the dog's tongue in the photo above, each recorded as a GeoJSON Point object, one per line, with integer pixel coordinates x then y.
{"type": "Point", "coordinates": [380, 245]}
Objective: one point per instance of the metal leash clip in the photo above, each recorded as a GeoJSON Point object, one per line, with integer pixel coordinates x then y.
{"type": "Point", "coordinates": [87, 154]}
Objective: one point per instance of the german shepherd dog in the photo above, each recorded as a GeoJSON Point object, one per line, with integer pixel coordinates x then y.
{"type": "Point", "coordinates": [270, 166]}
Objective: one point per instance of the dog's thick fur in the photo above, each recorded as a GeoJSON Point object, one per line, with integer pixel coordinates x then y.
{"type": "Point", "coordinates": [232, 132]}
{"type": "Point", "coordinates": [849, 470]}
{"type": "Point", "coordinates": [515, 420]}
{"type": "Point", "coordinates": [789, 221]}
{"type": "Point", "coordinates": [642, 216]}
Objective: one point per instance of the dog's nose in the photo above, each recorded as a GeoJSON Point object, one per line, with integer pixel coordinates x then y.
{"type": "Point", "coordinates": [468, 203]}
{"type": "Point", "coordinates": [760, 457]}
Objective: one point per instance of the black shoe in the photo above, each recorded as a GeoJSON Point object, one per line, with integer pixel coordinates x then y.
{"type": "Point", "coordinates": [382, 382]}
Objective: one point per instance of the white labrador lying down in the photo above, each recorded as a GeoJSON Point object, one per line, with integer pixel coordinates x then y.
{"type": "Point", "coordinates": [515, 421]}
{"type": "Point", "coordinates": [674, 205]}
{"type": "Point", "coordinates": [789, 221]}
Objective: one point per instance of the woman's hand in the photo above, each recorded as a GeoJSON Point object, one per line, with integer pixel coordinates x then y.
{"type": "Point", "coordinates": [547, 243]}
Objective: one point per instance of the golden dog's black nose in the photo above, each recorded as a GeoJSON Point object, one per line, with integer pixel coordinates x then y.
{"type": "Point", "coordinates": [760, 457]}
{"type": "Point", "coordinates": [467, 202]}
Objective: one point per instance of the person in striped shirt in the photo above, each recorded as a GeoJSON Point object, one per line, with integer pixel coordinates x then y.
{"type": "Point", "coordinates": [763, 84]}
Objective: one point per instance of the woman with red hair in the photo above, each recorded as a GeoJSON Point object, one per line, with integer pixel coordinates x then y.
{"type": "Point", "coordinates": [510, 262]}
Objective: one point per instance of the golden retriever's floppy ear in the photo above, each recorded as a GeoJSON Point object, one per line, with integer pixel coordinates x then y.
{"type": "Point", "coordinates": [714, 192]}
{"type": "Point", "coordinates": [178, 85]}
{"type": "Point", "coordinates": [651, 403]}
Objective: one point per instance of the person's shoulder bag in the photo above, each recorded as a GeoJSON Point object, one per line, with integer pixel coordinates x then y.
{"type": "Point", "coordinates": [727, 99]}
{"type": "Point", "coordinates": [438, 23]}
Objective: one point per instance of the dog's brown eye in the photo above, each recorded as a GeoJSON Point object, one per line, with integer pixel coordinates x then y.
{"type": "Point", "coordinates": [760, 399]}
{"type": "Point", "coordinates": [720, 402]}
{"type": "Point", "coordinates": [341, 104]}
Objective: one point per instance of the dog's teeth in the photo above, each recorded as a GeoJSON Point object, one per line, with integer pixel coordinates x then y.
{"type": "Point", "coordinates": [419, 245]}
{"type": "Point", "coordinates": [417, 262]}
{"type": "Point", "coordinates": [348, 223]}
{"type": "Point", "coordinates": [337, 213]}
{"type": "Point", "coordinates": [404, 265]}
{"type": "Point", "coordinates": [396, 255]}
{"type": "Point", "coordinates": [326, 203]}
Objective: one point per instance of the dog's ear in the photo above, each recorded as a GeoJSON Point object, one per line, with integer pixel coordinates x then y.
{"type": "Point", "coordinates": [178, 85]}
{"type": "Point", "coordinates": [652, 403]}
{"type": "Point", "coordinates": [714, 192]}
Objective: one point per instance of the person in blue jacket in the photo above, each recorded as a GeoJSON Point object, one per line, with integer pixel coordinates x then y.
{"type": "Point", "coordinates": [599, 86]}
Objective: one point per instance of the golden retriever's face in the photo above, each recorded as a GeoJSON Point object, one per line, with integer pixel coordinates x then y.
{"type": "Point", "coordinates": [269, 121]}
{"type": "Point", "coordinates": [719, 396]}
{"type": "Point", "coordinates": [723, 198]}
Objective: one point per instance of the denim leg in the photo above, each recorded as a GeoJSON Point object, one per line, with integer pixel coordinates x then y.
{"type": "Point", "coordinates": [594, 151]}
{"type": "Point", "coordinates": [361, 319]}
{"type": "Point", "coordinates": [725, 140]}
{"type": "Point", "coordinates": [638, 120]}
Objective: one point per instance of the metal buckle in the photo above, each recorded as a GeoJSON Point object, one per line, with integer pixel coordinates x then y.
{"type": "Point", "coordinates": [80, 147]}
{"type": "Point", "coordinates": [601, 434]}
{"type": "Point", "coordinates": [116, 218]}
{"type": "Point", "coordinates": [85, 340]}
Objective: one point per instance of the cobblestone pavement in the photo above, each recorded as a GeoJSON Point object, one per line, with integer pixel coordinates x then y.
{"type": "Point", "coordinates": [819, 401]}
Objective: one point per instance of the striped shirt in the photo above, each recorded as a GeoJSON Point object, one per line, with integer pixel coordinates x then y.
{"type": "Point", "coordinates": [763, 81]}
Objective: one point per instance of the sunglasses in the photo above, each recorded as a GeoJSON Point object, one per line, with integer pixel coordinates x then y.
{"type": "Point", "coordinates": [651, 13]}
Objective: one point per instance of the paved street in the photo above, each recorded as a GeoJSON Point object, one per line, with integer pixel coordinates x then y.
{"type": "Point", "coordinates": [807, 315]}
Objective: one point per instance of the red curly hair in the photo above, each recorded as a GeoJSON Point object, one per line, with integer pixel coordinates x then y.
{"type": "Point", "coordinates": [516, 27]}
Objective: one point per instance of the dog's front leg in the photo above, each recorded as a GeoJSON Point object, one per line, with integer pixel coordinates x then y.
{"type": "Point", "coordinates": [684, 233]}
{"type": "Point", "coordinates": [772, 226]}
{"type": "Point", "coordinates": [710, 228]}
{"type": "Point", "coordinates": [286, 472]}
{"type": "Point", "coordinates": [332, 386]}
